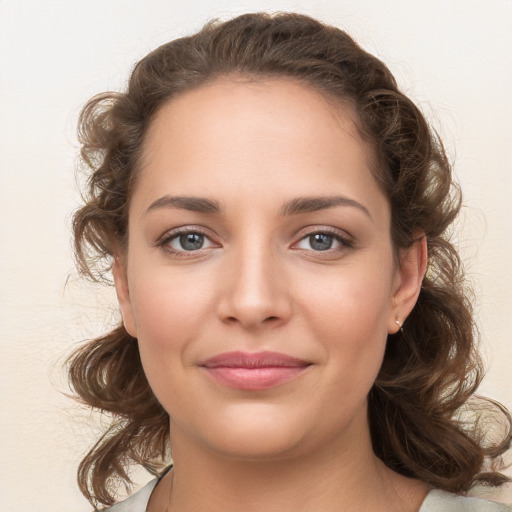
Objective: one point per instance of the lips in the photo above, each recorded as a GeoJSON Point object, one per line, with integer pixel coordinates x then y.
{"type": "Point", "coordinates": [253, 371]}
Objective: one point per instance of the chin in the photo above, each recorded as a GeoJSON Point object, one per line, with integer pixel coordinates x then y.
{"type": "Point", "coordinates": [254, 435]}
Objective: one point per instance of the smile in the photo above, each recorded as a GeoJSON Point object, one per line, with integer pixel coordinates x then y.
{"type": "Point", "coordinates": [253, 371]}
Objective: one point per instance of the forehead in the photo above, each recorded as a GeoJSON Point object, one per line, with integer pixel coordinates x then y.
{"type": "Point", "coordinates": [236, 132]}
{"type": "Point", "coordinates": [285, 108]}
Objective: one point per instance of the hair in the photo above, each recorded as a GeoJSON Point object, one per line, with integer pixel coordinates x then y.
{"type": "Point", "coordinates": [425, 419]}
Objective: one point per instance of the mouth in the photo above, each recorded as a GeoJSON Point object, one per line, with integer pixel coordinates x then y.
{"type": "Point", "coordinates": [253, 371]}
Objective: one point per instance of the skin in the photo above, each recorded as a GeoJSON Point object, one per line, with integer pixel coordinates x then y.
{"type": "Point", "coordinates": [257, 283]}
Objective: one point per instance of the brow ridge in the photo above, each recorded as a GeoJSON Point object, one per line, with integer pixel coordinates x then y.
{"type": "Point", "coordinates": [190, 203]}
{"type": "Point", "coordinates": [296, 206]}
{"type": "Point", "coordinates": [316, 203]}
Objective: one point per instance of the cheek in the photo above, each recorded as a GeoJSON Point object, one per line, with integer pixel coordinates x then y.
{"type": "Point", "coordinates": [167, 321]}
{"type": "Point", "coordinates": [167, 301]}
{"type": "Point", "coordinates": [352, 300]}
{"type": "Point", "coordinates": [169, 312]}
{"type": "Point", "coordinates": [350, 318]}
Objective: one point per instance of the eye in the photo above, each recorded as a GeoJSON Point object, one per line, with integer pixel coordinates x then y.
{"type": "Point", "coordinates": [318, 242]}
{"type": "Point", "coordinates": [180, 242]}
{"type": "Point", "coordinates": [322, 241]}
{"type": "Point", "coordinates": [188, 242]}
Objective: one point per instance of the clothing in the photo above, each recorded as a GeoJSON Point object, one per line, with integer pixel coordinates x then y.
{"type": "Point", "coordinates": [441, 501]}
{"type": "Point", "coordinates": [137, 502]}
{"type": "Point", "coordinates": [436, 501]}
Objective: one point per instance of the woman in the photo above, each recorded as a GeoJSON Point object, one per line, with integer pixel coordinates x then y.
{"type": "Point", "coordinates": [296, 330]}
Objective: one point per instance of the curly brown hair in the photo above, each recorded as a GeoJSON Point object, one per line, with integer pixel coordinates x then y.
{"type": "Point", "coordinates": [425, 420]}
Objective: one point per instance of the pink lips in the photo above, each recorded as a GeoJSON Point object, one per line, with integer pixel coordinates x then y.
{"type": "Point", "coordinates": [253, 371]}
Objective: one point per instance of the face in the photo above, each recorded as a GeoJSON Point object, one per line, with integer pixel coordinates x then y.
{"type": "Point", "coordinates": [260, 278]}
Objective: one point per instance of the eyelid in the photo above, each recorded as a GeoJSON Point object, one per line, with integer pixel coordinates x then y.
{"type": "Point", "coordinates": [180, 230]}
{"type": "Point", "coordinates": [171, 234]}
{"type": "Point", "coordinates": [344, 238]}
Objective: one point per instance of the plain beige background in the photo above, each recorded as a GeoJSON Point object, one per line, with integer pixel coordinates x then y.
{"type": "Point", "coordinates": [453, 56]}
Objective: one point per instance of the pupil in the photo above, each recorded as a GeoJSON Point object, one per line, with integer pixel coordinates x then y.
{"type": "Point", "coordinates": [191, 241]}
{"type": "Point", "coordinates": [320, 241]}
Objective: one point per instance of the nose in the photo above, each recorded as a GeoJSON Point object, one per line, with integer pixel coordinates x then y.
{"type": "Point", "coordinates": [255, 290]}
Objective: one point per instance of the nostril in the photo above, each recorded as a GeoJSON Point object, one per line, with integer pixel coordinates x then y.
{"type": "Point", "coordinates": [234, 320]}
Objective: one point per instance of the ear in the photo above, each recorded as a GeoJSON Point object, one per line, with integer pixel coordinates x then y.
{"type": "Point", "coordinates": [120, 274]}
{"type": "Point", "coordinates": [412, 268]}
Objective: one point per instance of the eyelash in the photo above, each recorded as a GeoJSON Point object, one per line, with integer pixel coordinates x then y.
{"type": "Point", "coordinates": [344, 241]}
{"type": "Point", "coordinates": [164, 241]}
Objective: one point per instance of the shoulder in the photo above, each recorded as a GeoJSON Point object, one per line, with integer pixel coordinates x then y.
{"type": "Point", "coordinates": [137, 502]}
{"type": "Point", "coordinates": [441, 501]}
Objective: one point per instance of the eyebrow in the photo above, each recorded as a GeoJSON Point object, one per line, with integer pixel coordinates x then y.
{"type": "Point", "coordinates": [294, 207]}
{"type": "Point", "coordinates": [313, 204]}
{"type": "Point", "coordinates": [193, 204]}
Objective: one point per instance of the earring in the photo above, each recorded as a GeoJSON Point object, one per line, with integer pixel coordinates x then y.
{"type": "Point", "coordinates": [400, 325]}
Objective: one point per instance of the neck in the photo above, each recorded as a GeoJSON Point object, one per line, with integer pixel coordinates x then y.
{"type": "Point", "coordinates": [340, 477]}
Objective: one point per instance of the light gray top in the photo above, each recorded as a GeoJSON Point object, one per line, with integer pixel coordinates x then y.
{"type": "Point", "coordinates": [436, 501]}
{"type": "Point", "coordinates": [441, 501]}
{"type": "Point", "coordinates": [137, 502]}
